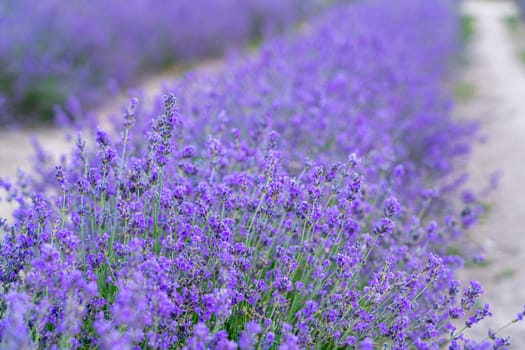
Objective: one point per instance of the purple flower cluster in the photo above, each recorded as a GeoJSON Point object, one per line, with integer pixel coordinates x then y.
{"type": "Point", "coordinates": [51, 51]}
{"type": "Point", "coordinates": [521, 4]}
{"type": "Point", "coordinates": [300, 200]}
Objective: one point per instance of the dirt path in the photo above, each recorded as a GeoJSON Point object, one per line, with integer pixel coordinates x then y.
{"type": "Point", "coordinates": [497, 77]}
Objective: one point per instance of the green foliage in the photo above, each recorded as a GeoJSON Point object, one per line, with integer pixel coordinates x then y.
{"type": "Point", "coordinates": [41, 99]}
{"type": "Point", "coordinates": [467, 28]}
{"type": "Point", "coordinates": [464, 90]}
{"type": "Point", "coordinates": [512, 22]}
{"type": "Point", "coordinates": [521, 55]}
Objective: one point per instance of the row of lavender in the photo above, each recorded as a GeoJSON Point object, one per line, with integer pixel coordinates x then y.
{"type": "Point", "coordinates": [521, 4]}
{"type": "Point", "coordinates": [299, 200]}
{"type": "Point", "coordinates": [51, 51]}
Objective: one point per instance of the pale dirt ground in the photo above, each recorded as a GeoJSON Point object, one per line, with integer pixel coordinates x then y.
{"type": "Point", "coordinates": [497, 77]}
{"type": "Point", "coordinates": [498, 81]}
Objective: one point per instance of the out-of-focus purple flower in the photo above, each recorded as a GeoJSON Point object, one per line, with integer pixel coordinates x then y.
{"type": "Point", "coordinates": [248, 337]}
{"type": "Point", "coordinates": [366, 344]}
{"type": "Point", "coordinates": [15, 331]}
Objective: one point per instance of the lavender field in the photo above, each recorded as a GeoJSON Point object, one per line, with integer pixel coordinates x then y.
{"type": "Point", "coordinates": [261, 175]}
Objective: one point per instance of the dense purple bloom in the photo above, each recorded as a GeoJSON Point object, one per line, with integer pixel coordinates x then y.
{"type": "Point", "coordinates": [291, 201]}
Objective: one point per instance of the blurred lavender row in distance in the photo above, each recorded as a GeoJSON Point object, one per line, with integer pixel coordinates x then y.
{"type": "Point", "coordinates": [52, 51]}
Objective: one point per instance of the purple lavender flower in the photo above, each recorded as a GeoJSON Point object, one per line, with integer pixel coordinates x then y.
{"type": "Point", "coordinates": [15, 330]}
{"type": "Point", "coordinates": [234, 216]}
{"type": "Point", "coordinates": [392, 207]}
{"type": "Point", "coordinates": [248, 337]}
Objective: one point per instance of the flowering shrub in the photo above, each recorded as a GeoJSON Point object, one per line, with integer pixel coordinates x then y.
{"type": "Point", "coordinates": [204, 227]}
{"type": "Point", "coordinates": [50, 50]}
{"type": "Point", "coordinates": [521, 4]}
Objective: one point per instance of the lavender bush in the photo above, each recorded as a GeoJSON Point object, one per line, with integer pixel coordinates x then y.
{"type": "Point", "coordinates": [302, 200]}
{"type": "Point", "coordinates": [51, 50]}
{"type": "Point", "coordinates": [521, 4]}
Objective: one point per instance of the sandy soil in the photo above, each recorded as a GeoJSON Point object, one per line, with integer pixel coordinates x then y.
{"type": "Point", "coordinates": [497, 77]}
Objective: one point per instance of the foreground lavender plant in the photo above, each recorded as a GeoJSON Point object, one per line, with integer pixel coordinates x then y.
{"type": "Point", "coordinates": [205, 228]}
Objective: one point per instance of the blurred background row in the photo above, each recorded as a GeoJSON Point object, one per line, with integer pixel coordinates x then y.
{"type": "Point", "coordinates": [53, 52]}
